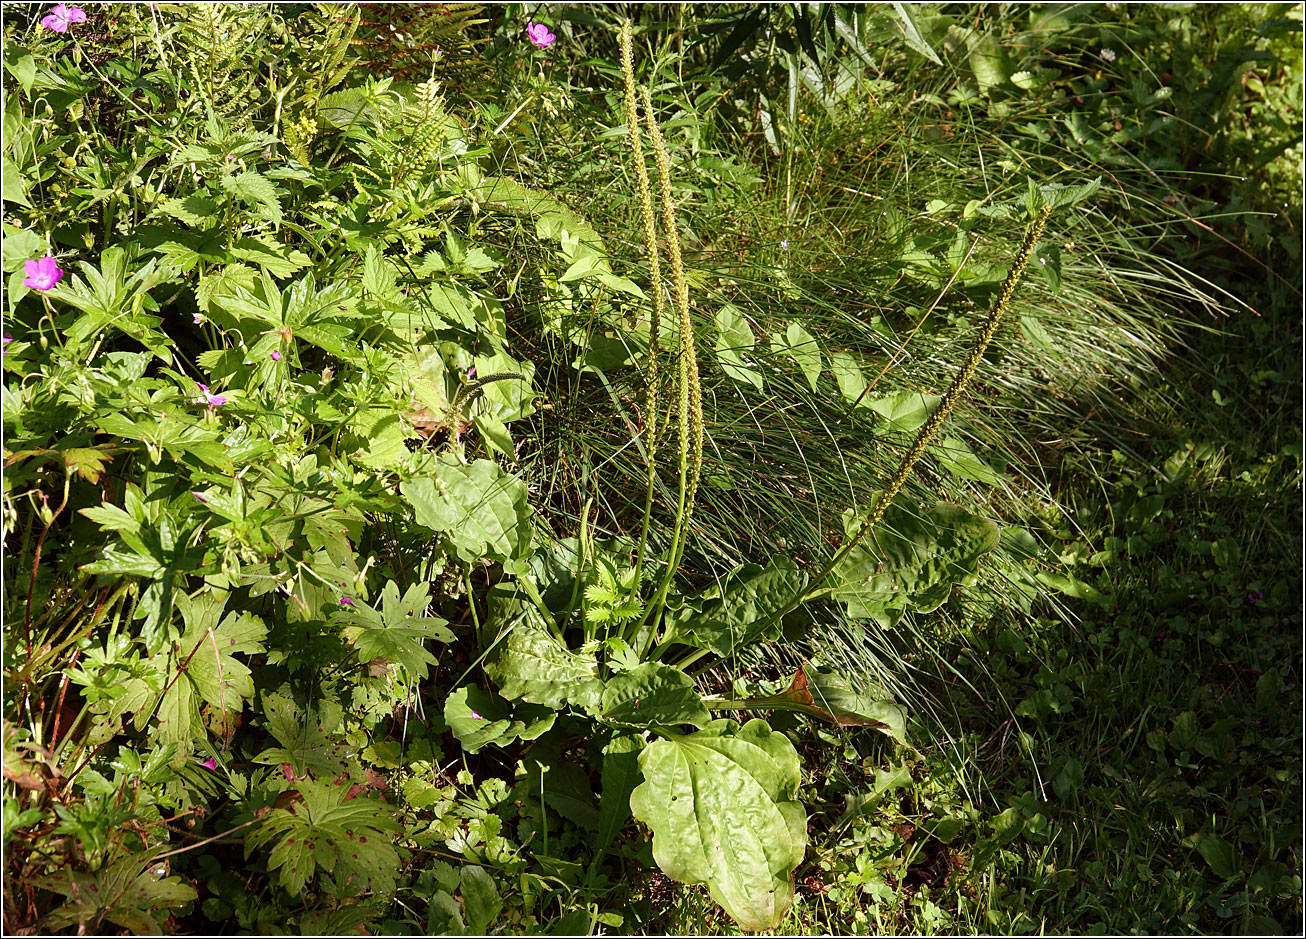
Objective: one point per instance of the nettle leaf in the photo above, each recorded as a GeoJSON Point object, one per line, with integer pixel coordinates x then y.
{"type": "Point", "coordinates": [398, 631]}
{"type": "Point", "coordinates": [304, 743]}
{"type": "Point", "coordinates": [124, 893]}
{"type": "Point", "coordinates": [723, 807]}
{"type": "Point", "coordinates": [254, 189]}
{"type": "Point", "coordinates": [349, 838]}
{"type": "Point", "coordinates": [478, 718]}
{"type": "Point", "coordinates": [479, 508]}
{"type": "Point", "coordinates": [726, 617]}
{"type": "Point", "coordinates": [911, 561]}
{"type": "Point", "coordinates": [653, 695]}
{"type": "Point", "coordinates": [734, 338]}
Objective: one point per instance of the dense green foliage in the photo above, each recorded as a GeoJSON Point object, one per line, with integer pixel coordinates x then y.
{"type": "Point", "coordinates": [478, 463]}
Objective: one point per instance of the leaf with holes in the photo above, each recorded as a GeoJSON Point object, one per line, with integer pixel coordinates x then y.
{"type": "Point", "coordinates": [349, 838]}
{"type": "Point", "coordinates": [723, 807]}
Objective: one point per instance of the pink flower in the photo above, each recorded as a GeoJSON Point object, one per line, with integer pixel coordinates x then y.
{"type": "Point", "coordinates": [476, 716]}
{"type": "Point", "coordinates": [4, 345]}
{"type": "Point", "coordinates": [42, 274]}
{"type": "Point", "coordinates": [276, 356]}
{"type": "Point", "coordinates": [210, 763]}
{"type": "Point", "coordinates": [61, 17]}
{"type": "Point", "coordinates": [212, 400]}
{"type": "Point", "coordinates": [345, 601]}
{"type": "Point", "coordinates": [539, 34]}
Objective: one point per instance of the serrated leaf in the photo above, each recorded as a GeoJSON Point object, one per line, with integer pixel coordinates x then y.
{"type": "Point", "coordinates": [652, 695]}
{"type": "Point", "coordinates": [123, 892]}
{"type": "Point", "coordinates": [349, 838]}
{"type": "Point", "coordinates": [480, 509]}
{"type": "Point", "coordinates": [911, 33]}
{"type": "Point", "coordinates": [723, 809]}
{"type": "Point", "coordinates": [304, 745]}
{"type": "Point", "coordinates": [481, 899]}
{"type": "Point", "coordinates": [277, 259]}
{"type": "Point", "coordinates": [398, 632]}
{"type": "Point", "coordinates": [911, 561]}
{"type": "Point", "coordinates": [254, 189]}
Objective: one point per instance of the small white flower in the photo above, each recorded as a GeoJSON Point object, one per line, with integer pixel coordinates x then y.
{"type": "Point", "coordinates": [1108, 55]}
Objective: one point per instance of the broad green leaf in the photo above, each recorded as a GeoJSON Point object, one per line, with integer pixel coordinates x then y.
{"type": "Point", "coordinates": [532, 665]}
{"type": "Point", "coordinates": [734, 339]}
{"type": "Point", "coordinates": [990, 62]}
{"type": "Point", "coordinates": [722, 804]}
{"type": "Point", "coordinates": [911, 33]}
{"type": "Point", "coordinates": [725, 618]}
{"type": "Point", "coordinates": [904, 412]}
{"type": "Point", "coordinates": [1060, 197]}
{"type": "Point", "coordinates": [276, 259]}
{"type": "Point", "coordinates": [13, 184]}
{"type": "Point", "coordinates": [20, 64]}
{"type": "Point", "coordinates": [960, 460]}
{"type": "Point", "coordinates": [1074, 587]}
{"type": "Point", "coordinates": [911, 561]}
{"type": "Point", "coordinates": [1220, 856]}
{"type": "Point", "coordinates": [620, 777]}
{"type": "Point", "coordinates": [652, 695]}
{"type": "Point", "coordinates": [349, 838]}
{"type": "Point", "coordinates": [398, 632]}
{"type": "Point", "coordinates": [480, 899]}
{"type": "Point", "coordinates": [1047, 258]}
{"type": "Point", "coordinates": [478, 718]}
{"type": "Point", "coordinates": [848, 375]}
{"type": "Point", "coordinates": [481, 510]}
{"type": "Point", "coordinates": [1033, 330]}
{"type": "Point", "coordinates": [797, 343]}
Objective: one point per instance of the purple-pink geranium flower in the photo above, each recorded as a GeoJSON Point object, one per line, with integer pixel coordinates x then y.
{"type": "Point", "coordinates": [539, 34]}
{"type": "Point", "coordinates": [212, 400]}
{"type": "Point", "coordinates": [210, 763]}
{"type": "Point", "coordinates": [477, 717]}
{"type": "Point", "coordinates": [42, 274]}
{"type": "Point", "coordinates": [61, 17]}
{"type": "Point", "coordinates": [4, 346]}
{"type": "Point", "coordinates": [346, 601]}
{"type": "Point", "coordinates": [276, 356]}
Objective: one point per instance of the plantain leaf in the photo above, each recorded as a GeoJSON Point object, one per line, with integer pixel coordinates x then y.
{"type": "Point", "coordinates": [652, 695]}
{"type": "Point", "coordinates": [479, 508]}
{"type": "Point", "coordinates": [725, 618]}
{"type": "Point", "coordinates": [533, 666]}
{"type": "Point", "coordinates": [827, 695]}
{"type": "Point", "coordinates": [478, 719]}
{"type": "Point", "coordinates": [911, 561]}
{"type": "Point", "coordinates": [723, 809]}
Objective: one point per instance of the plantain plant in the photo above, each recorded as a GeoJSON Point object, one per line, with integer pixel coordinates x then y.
{"type": "Point", "coordinates": [601, 630]}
